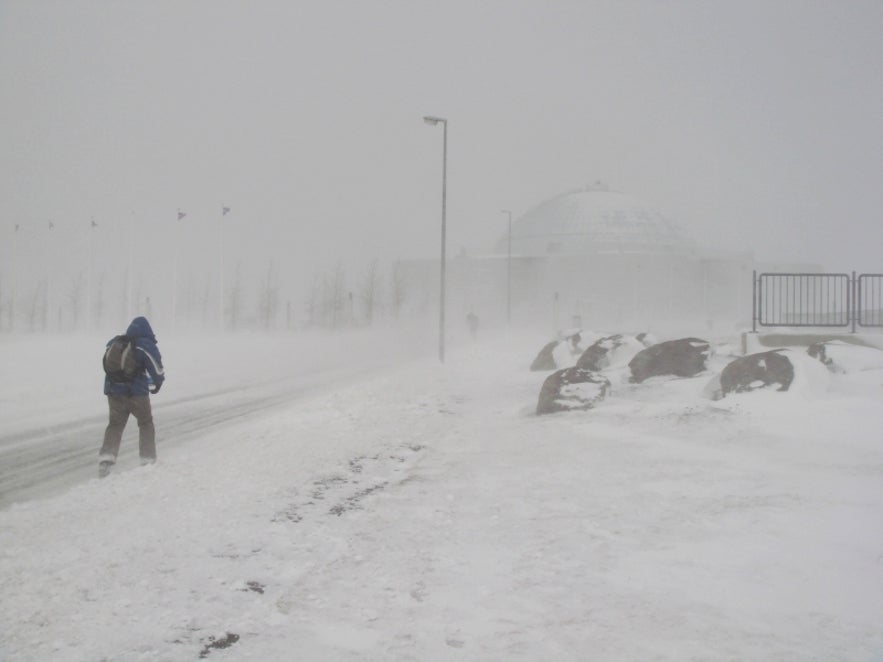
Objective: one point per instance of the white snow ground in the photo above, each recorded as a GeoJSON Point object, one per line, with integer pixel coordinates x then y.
{"type": "Point", "coordinates": [425, 513]}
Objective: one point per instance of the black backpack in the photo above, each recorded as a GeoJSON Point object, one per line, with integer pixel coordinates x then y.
{"type": "Point", "coordinates": [119, 360]}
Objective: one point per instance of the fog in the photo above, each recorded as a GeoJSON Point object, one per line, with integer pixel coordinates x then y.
{"type": "Point", "coordinates": [755, 125]}
{"type": "Point", "coordinates": [221, 164]}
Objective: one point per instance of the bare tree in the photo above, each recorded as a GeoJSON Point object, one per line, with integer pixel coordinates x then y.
{"type": "Point", "coordinates": [98, 304]}
{"type": "Point", "coordinates": [76, 292]}
{"type": "Point", "coordinates": [38, 308]}
{"type": "Point", "coordinates": [190, 299]}
{"type": "Point", "coordinates": [139, 295]}
{"type": "Point", "coordinates": [125, 293]}
{"type": "Point", "coordinates": [330, 304]}
{"type": "Point", "coordinates": [369, 292]}
{"type": "Point", "coordinates": [204, 301]}
{"type": "Point", "coordinates": [235, 297]}
{"type": "Point", "coordinates": [337, 296]}
{"type": "Point", "coordinates": [397, 290]}
{"type": "Point", "coordinates": [269, 298]}
{"type": "Point", "coordinates": [314, 303]}
{"type": "Point", "coordinates": [3, 306]}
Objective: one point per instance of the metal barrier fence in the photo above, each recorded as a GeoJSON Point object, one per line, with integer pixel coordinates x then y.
{"type": "Point", "coordinates": [820, 300]}
{"type": "Point", "coordinates": [869, 300]}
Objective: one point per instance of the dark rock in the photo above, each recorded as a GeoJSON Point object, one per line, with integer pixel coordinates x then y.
{"type": "Point", "coordinates": [596, 356]}
{"type": "Point", "coordinates": [685, 357]}
{"type": "Point", "coordinates": [755, 371]}
{"type": "Point", "coordinates": [257, 587]}
{"type": "Point", "coordinates": [545, 360]}
{"type": "Point", "coordinates": [572, 388]}
{"type": "Point", "coordinates": [574, 339]}
{"type": "Point", "coordinates": [819, 351]}
{"type": "Point", "coordinates": [224, 642]}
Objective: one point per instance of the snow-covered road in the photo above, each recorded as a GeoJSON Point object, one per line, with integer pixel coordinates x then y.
{"type": "Point", "coordinates": [49, 459]}
{"type": "Point", "coordinates": [53, 426]}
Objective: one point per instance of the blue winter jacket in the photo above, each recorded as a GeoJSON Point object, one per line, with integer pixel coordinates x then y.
{"type": "Point", "coordinates": [147, 359]}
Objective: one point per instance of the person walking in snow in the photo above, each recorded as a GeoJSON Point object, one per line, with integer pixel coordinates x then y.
{"type": "Point", "coordinates": [472, 321]}
{"type": "Point", "coordinates": [128, 392]}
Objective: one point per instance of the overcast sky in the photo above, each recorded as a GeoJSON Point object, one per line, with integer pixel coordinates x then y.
{"type": "Point", "coordinates": [753, 124]}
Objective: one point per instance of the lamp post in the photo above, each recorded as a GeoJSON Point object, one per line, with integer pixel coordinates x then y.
{"type": "Point", "coordinates": [509, 270]}
{"type": "Point", "coordinates": [441, 316]}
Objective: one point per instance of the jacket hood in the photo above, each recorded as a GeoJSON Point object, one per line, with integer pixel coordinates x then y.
{"type": "Point", "coordinates": [140, 328]}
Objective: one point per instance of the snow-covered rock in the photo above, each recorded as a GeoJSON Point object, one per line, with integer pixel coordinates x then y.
{"type": "Point", "coordinates": [684, 357]}
{"type": "Point", "coordinates": [611, 352]}
{"type": "Point", "coordinates": [572, 388]}
{"type": "Point", "coordinates": [564, 351]}
{"type": "Point", "coordinates": [843, 357]}
{"type": "Point", "coordinates": [778, 369]}
{"type": "Point", "coordinates": [545, 359]}
{"type": "Point", "coordinates": [771, 369]}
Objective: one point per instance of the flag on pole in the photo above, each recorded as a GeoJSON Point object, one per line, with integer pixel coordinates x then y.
{"type": "Point", "coordinates": [181, 214]}
{"type": "Point", "coordinates": [225, 211]}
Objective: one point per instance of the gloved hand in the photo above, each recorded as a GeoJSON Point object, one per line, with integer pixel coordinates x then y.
{"type": "Point", "coordinates": [155, 387]}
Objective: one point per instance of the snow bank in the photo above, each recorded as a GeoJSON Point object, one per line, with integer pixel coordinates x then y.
{"type": "Point", "coordinates": [846, 357]}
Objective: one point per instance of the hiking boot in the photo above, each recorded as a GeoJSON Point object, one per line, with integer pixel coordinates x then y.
{"type": "Point", "coordinates": [147, 460]}
{"type": "Point", "coordinates": [104, 468]}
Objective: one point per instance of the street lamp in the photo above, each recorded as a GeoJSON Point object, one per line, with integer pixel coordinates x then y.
{"type": "Point", "coordinates": [509, 271]}
{"type": "Point", "coordinates": [441, 316]}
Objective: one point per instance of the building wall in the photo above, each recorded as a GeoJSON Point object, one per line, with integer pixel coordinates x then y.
{"type": "Point", "coordinates": [604, 292]}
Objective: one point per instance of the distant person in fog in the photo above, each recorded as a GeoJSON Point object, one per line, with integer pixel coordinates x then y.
{"type": "Point", "coordinates": [472, 321]}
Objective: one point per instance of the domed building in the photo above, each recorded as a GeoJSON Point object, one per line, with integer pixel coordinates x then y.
{"type": "Point", "coordinates": [592, 258]}
{"type": "Point", "coordinates": [592, 221]}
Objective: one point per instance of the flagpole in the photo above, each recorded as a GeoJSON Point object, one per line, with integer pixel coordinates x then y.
{"type": "Point", "coordinates": [179, 232]}
{"type": "Point", "coordinates": [91, 272]}
{"type": "Point", "coordinates": [131, 274]}
{"type": "Point", "coordinates": [48, 307]}
{"type": "Point", "coordinates": [175, 269]}
{"type": "Point", "coordinates": [224, 211]}
{"type": "Point", "coordinates": [175, 272]}
{"type": "Point", "coordinates": [14, 277]}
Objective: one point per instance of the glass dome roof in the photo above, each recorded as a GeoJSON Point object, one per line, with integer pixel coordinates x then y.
{"type": "Point", "coordinates": [594, 220]}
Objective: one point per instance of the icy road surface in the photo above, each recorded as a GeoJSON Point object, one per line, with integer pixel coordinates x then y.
{"type": "Point", "coordinates": [53, 419]}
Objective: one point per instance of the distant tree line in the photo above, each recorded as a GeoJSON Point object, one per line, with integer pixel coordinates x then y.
{"type": "Point", "coordinates": [335, 300]}
{"type": "Point", "coordinates": [333, 304]}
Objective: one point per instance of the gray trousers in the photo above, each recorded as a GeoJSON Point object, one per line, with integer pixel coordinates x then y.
{"type": "Point", "coordinates": [120, 408]}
